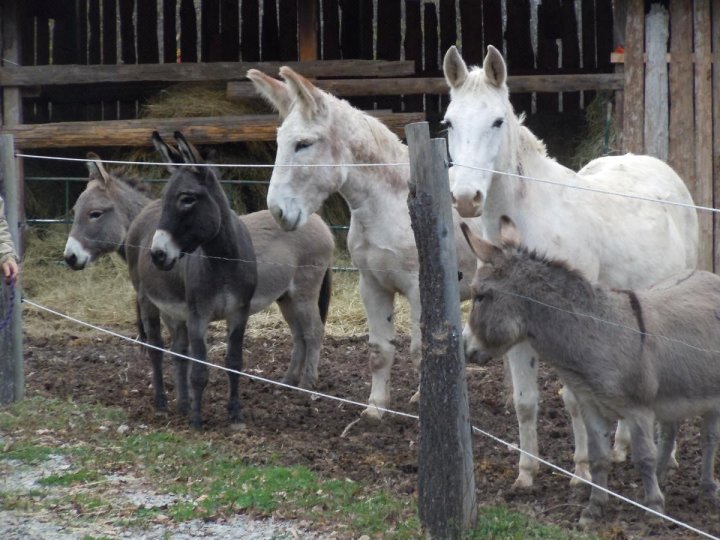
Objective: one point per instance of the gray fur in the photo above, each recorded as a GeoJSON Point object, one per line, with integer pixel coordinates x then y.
{"type": "Point", "coordinates": [593, 336]}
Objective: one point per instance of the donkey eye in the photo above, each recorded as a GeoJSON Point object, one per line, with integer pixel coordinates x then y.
{"type": "Point", "coordinates": [187, 199]}
{"type": "Point", "coordinates": [479, 298]}
{"type": "Point", "coordinates": [95, 214]}
{"type": "Point", "coordinates": [301, 145]}
{"type": "Point", "coordinates": [497, 123]}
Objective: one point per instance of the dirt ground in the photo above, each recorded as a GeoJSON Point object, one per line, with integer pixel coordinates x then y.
{"type": "Point", "coordinates": [294, 429]}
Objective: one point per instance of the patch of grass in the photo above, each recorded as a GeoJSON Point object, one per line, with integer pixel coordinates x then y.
{"type": "Point", "coordinates": [83, 476]}
{"type": "Point", "coordinates": [28, 452]}
{"type": "Point", "coordinates": [498, 523]}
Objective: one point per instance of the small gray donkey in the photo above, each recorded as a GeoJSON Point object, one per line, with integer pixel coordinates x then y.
{"type": "Point", "coordinates": [645, 355]}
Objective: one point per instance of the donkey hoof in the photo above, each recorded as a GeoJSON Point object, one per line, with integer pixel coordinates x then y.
{"type": "Point", "coordinates": [709, 490]}
{"type": "Point", "coordinates": [196, 424]}
{"type": "Point", "coordinates": [290, 380]}
{"type": "Point", "coordinates": [523, 481]}
{"type": "Point", "coordinates": [415, 397]}
{"type": "Point", "coordinates": [590, 515]}
{"type": "Point", "coordinates": [372, 413]}
{"type": "Point", "coordinates": [618, 455]}
{"type": "Point", "coordinates": [307, 384]}
{"type": "Point", "coordinates": [582, 472]}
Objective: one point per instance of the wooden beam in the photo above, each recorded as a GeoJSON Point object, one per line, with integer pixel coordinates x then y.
{"type": "Point", "coordinates": [715, 24]}
{"type": "Point", "coordinates": [307, 29]}
{"type": "Point", "coordinates": [656, 82]}
{"type": "Point", "coordinates": [190, 72]}
{"type": "Point", "coordinates": [239, 90]}
{"type": "Point", "coordinates": [633, 118]}
{"type": "Point", "coordinates": [703, 193]}
{"type": "Point", "coordinates": [207, 130]}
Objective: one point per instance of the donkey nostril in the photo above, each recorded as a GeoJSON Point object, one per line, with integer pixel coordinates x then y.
{"type": "Point", "coordinates": [478, 197]}
{"type": "Point", "coordinates": [158, 255]}
{"type": "Point", "coordinates": [280, 213]}
{"type": "Point", "coordinates": [454, 200]}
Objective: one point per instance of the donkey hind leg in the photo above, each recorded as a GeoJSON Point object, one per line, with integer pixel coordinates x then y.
{"type": "Point", "coordinates": [150, 317]}
{"type": "Point", "coordinates": [378, 305]}
{"type": "Point", "coordinates": [598, 441]}
{"type": "Point", "coordinates": [621, 447]}
{"type": "Point", "coordinates": [644, 457]}
{"type": "Point", "coordinates": [307, 329]}
{"type": "Point", "coordinates": [580, 457]}
{"type": "Point", "coordinates": [710, 440]}
{"type": "Point", "coordinates": [197, 329]}
{"type": "Point", "coordinates": [234, 359]}
{"type": "Point", "coordinates": [523, 363]}
{"type": "Point", "coordinates": [179, 336]}
{"type": "Point", "coordinates": [666, 446]}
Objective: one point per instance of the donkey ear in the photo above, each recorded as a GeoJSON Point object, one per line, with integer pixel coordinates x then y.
{"type": "Point", "coordinates": [494, 67]}
{"type": "Point", "coordinates": [97, 169]}
{"type": "Point", "coordinates": [509, 235]}
{"type": "Point", "coordinates": [454, 67]}
{"type": "Point", "coordinates": [170, 155]}
{"type": "Point", "coordinates": [483, 250]}
{"type": "Point", "coordinates": [188, 151]}
{"type": "Point", "coordinates": [307, 95]}
{"type": "Point", "coordinates": [273, 91]}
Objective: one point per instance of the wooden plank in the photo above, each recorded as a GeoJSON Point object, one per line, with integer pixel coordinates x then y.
{"type": "Point", "coordinates": [520, 55]}
{"type": "Point", "coordinates": [331, 31]}
{"type": "Point", "coordinates": [492, 23]}
{"type": "Point", "coordinates": [11, 54]}
{"type": "Point", "coordinates": [633, 117]}
{"type": "Point", "coordinates": [289, 30]}
{"type": "Point", "coordinates": [148, 51]}
{"type": "Point", "coordinates": [188, 31]}
{"type": "Point", "coordinates": [548, 54]}
{"type": "Point", "coordinates": [589, 49]}
{"type": "Point", "coordinates": [703, 129]}
{"type": "Point", "coordinates": [230, 31]}
{"type": "Point", "coordinates": [203, 130]}
{"type": "Point", "coordinates": [682, 121]}
{"type": "Point", "coordinates": [656, 82]}
{"type": "Point", "coordinates": [413, 49]}
{"type": "Point", "coordinates": [716, 131]}
{"type": "Point", "coordinates": [240, 90]}
{"type": "Point", "coordinates": [169, 31]}
{"type": "Point", "coordinates": [570, 51]}
{"type": "Point", "coordinates": [215, 71]}
{"type": "Point", "coordinates": [307, 29]}
{"type": "Point", "coordinates": [269, 36]}
{"type": "Point", "coordinates": [471, 18]}
{"type": "Point", "coordinates": [109, 37]}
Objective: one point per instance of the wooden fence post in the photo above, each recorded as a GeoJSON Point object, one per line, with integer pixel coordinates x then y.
{"type": "Point", "coordinates": [12, 377]}
{"type": "Point", "coordinates": [446, 481]}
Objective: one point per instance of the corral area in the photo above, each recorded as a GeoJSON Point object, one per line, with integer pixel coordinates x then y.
{"type": "Point", "coordinates": [287, 427]}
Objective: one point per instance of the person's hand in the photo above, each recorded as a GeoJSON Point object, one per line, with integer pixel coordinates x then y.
{"type": "Point", "coordinates": [10, 270]}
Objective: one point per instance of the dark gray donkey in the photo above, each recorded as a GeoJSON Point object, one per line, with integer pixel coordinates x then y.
{"type": "Point", "coordinates": [637, 355]}
{"type": "Point", "coordinates": [299, 281]}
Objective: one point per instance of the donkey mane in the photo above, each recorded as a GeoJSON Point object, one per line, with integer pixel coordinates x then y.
{"type": "Point", "coordinates": [553, 264]}
{"type": "Point", "coordinates": [129, 193]}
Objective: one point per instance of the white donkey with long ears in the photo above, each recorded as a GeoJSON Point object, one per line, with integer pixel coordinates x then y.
{"type": "Point", "coordinates": [622, 242]}
{"type": "Point", "coordinates": [319, 141]}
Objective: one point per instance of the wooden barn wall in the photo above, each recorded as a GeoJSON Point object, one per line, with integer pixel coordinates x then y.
{"type": "Point", "coordinates": [572, 37]}
{"type": "Point", "coordinates": [672, 99]}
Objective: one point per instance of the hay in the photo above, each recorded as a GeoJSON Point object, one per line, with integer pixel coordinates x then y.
{"type": "Point", "coordinates": [600, 135]}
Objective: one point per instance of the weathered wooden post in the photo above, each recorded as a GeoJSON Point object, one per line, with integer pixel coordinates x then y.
{"type": "Point", "coordinates": [446, 481]}
{"type": "Point", "coordinates": [12, 377]}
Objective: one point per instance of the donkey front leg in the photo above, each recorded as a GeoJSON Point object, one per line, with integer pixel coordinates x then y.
{"type": "Point", "coordinates": [234, 359]}
{"type": "Point", "coordinates": [179, 345]}
{"type": "Point", "coordinates": [580, 457]}
{"type": "Point", "coordinates": [644, 456]}
{"type": "Point", "coordinates": [621, 446]}
{"type": "Point", "coordinates": [523, 362]}
{"type": "Point", "coordinates": [415, 337]}
{"type": "Point", "coordinates": [598, 440]}
{"type": "Point", "coordinates": [197, 329]}
{"type": "Point", "coordinates": [151, 333]}
{"type": "Point", "coordinates": [379, 308]}
{"type": "Point", "coordinates": [666, 446]}
{"type": "Point", "coordinates": [710, 440]}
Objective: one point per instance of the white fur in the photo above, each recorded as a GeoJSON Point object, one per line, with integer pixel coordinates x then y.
{"type": "Point", "coordinates": [622, 242]}
{"type": "Point", "coordinates": [74, 247]}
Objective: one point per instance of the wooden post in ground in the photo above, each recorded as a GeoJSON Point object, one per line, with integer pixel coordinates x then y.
{"type": "Point", "coordinates": [446, 482]}
{"type": "Point", "coordinates": [12, 377]}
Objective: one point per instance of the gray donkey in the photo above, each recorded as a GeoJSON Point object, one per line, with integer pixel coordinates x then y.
{"type": "Point", "coordinates": [299, 280]}
{"type": "Point", "coordinates": [637, 355]}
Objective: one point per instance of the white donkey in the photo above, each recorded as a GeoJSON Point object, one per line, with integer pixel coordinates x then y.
{"type": "Point", "coordinates": [623, 242]}
{"type": "Point", "coordinates": [320, 129]}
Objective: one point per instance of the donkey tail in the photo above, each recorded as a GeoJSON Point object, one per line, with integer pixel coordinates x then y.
{"type": "Point", "coordinates": [325, 293]}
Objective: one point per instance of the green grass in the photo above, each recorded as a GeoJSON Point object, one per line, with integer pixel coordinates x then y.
{"type": "Point", "coordinates": [209, 478]}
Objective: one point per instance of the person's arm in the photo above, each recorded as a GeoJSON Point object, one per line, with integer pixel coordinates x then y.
{"type": "Point", "coordinates": [8, 255]}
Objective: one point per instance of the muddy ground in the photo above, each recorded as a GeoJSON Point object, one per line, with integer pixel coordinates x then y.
{"type": "Point", "coordinates": [294, 429]}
